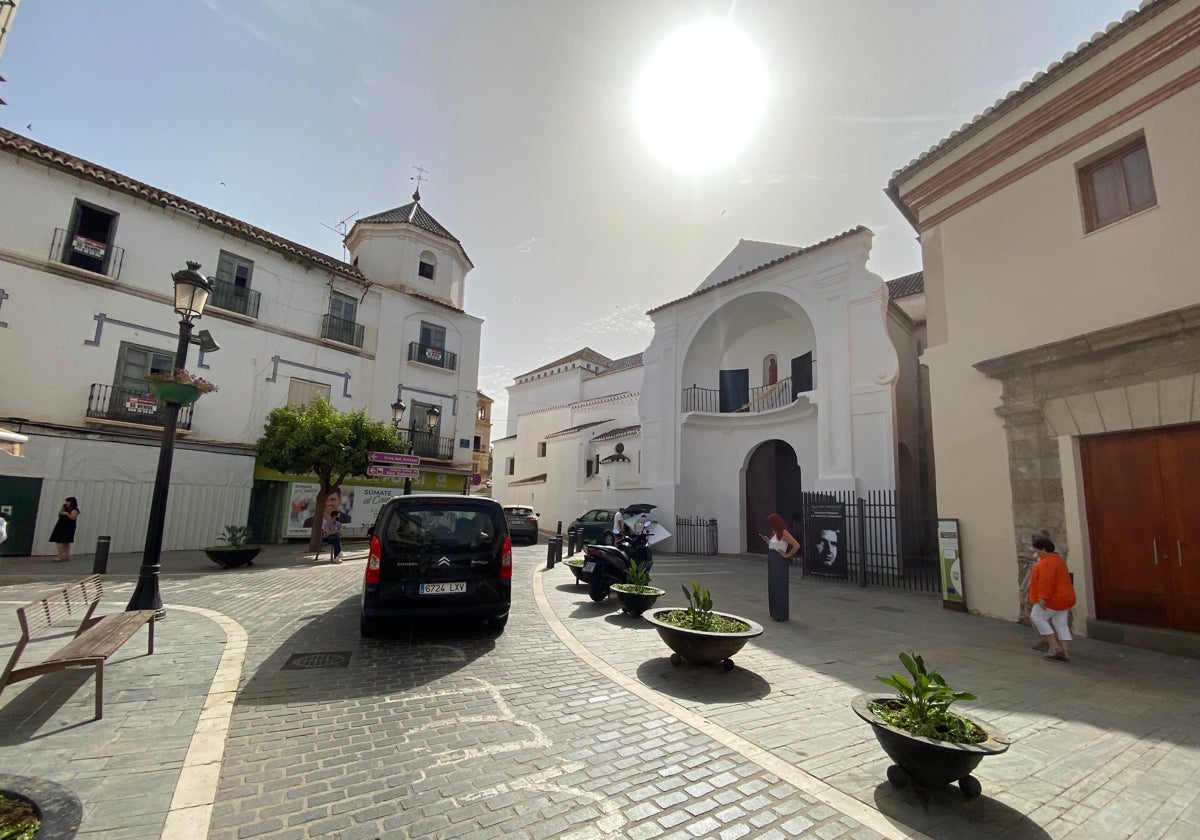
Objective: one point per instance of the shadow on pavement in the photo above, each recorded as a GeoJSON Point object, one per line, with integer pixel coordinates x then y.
{"type": "Point", "coordinates": [702, 683]}
{"type": "Point", "coordinates": [945, 814]}
{"type": "Point", "coordinates": [325, 660]}
{"type": "Point", "coordinates": [23, 717]}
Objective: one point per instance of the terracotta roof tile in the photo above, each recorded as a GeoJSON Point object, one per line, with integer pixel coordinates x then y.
{"type": "Point", "coordinates": [24, 147]}
{"type": "Point", "coordinates": [533, 479]}
{"type": "Point", "coordinates": [587, 354]}
{"type": "Point", "coordinates": [909, 284]}
{"type": "Point", "coordinates": [578, 428]}
{"type": "Point", "coordinates": [624, 431]}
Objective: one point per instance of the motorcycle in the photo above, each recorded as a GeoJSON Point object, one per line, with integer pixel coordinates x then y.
{"type": "Point", "coordinates": [607, 564]}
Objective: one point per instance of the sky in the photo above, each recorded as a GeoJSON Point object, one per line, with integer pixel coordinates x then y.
{"type": "Point", "coordinates": [295, 115]}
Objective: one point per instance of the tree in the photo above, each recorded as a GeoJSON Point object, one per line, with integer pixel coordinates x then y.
{"type": "Point", "coordinates": [317, 439]}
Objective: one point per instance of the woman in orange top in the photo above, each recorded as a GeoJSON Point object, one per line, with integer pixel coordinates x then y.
{"type": "Point", "coordinates": [1052, 596]}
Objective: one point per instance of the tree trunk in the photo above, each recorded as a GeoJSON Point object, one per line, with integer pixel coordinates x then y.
{"type": "Point", "coordinates": [314, 537]}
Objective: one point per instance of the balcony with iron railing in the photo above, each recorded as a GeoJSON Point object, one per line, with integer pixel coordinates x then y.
{"type": "Point", "coordinates": [342, 331]}
{"type": "Point", "coordinates": [81, 252]}
{"type": "Point", "coordinates": [234, 298]}
{"type": "Point", "coordinates": [752, 401]}
{"type": "Point", "coordinates": [428, 444]}
{"type": "Point", "coordinates": [131, 405]}
{"type": "Point", "coordinates": [427, 354]}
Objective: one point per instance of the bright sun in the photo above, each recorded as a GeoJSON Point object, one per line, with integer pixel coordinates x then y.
{"type": "Point", "coordinates": [701, 97]}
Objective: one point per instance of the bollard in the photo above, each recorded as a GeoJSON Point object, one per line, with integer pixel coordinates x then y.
{"type": "Point", "coordinates": [558, 549]}
{"type": "Point", "coordinates": [570, 542]}
{"type": "Point", "coordinates": [100, 561]}
{"type": "Point", "coordinates": [550, 553]}
{"type": "Point", "coordinates": [558, 530]}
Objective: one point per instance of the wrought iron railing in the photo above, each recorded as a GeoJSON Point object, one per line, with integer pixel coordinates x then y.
{"type": "Point", "coordinates": [764, 398]}
{"type": "Point", "coordinates": [428, 444]}
{"type": "Point", "coordinates": [428, 355]}
{"type": "Point", "coordinates": [131, 405]}
{"type": "Point", "coordinates": [341, 330]}
{"type": "Point", "coordinates": [234, 298]}
{"type": "Point", "coordinates": [81, 252]}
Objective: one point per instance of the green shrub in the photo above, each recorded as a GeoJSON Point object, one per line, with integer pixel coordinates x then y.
{"type": "Point", "coordinates": [922, 707]}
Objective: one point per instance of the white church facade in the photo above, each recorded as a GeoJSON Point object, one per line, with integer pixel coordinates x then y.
{"type": "Point", "coordinates": [787, 371]}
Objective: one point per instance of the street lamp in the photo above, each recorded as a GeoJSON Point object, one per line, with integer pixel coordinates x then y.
{"type": "Point", "coordinates": [191, 294]}
{"type": "Point", "coordinates": [431, 417]}
{"type": "Point", "coordinates": [398, 413]}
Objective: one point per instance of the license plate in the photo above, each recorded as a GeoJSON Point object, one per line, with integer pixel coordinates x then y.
{"type": "Point", "coordinates": [589, 565]}
{"type": "Point", "coordinates": [443, 588]}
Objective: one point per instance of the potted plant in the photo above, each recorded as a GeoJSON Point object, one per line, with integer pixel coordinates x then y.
{"type": "Point", "coordinates": [700, 635]}
{"type": "Point", "coordinates": [575, 564]}
{"type": "Point", "coordinates": [930, 745]}
{"type": "Point", "coordinates": [178, 386]}
{"type": "Point", "coordinates": [237, 551]}
{"type": "Point", "coordinates": [636, 594]}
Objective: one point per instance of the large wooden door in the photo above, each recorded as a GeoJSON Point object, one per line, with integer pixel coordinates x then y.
{"type": "Point", "coordinates": [1179, 451]}
{"type": "Point", "coordinates": [1141, 491]}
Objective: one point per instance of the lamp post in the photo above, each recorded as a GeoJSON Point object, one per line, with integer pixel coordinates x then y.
{"type": "Point", "coordinates": [397, 419]}
{"type": "Point", "coordinates": [191, 294]}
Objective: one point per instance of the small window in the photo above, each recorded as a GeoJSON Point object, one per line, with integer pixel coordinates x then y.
{"type": "Point", "coordinates": [306, 392]}
{"type": "Point", "coordinates": [588, 468]}
{"type": "Point", "coordinates": [234, 270]}
{"type": "Point", "coordinates": [510, 466]}
{"type": "Point", "coordinates": [89, 240]}
{"type": "Point", "coordinates": [1117, 184]}
{"type": "Point", "coordinates": [433, 336]}
{"type": "Point", "coordinates": [343, 307]}
{"type": "Point", "coordinates": [542, 449]}
{"type": "Point", "coordinates": [427, 265]}
{"type": "Point", "coordinates": [477, 444]}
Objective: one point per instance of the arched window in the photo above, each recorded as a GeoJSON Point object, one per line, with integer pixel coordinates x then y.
{"type": "Point", "coordinates": [427, 266]}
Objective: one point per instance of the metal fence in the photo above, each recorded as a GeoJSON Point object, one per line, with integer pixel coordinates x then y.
{"type": "Point", "coordinates": [695, 535]}
{"type": "Point", "coordinates": [876, 540]}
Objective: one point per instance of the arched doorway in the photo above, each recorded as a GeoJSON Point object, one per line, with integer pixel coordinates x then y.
{"type": "Point", "coordinates": [772, 486]}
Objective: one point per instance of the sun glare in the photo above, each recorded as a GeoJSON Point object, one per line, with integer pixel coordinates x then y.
{"type": "Point", "coordinates": [701, 97]}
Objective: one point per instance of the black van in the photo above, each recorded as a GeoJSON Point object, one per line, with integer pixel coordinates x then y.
{"type": "Point", "coordinates": [438, 556]}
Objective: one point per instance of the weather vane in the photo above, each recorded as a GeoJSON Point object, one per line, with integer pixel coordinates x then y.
{"type": "Point", "coordinates": [419, 177]}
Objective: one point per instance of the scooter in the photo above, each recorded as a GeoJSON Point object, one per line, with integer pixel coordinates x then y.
{"type": "Point", "coordinates": [607, 564]}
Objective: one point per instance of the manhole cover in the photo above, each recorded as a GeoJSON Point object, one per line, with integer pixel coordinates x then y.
{"type": "Point", "coordinates": [323, 659]}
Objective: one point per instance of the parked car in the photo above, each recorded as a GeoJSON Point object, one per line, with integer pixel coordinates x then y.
{"type": "Point", "coordinates": [596, 525]}
{"type": "Point", "coordinates": [435, 555]}
{"type": "Point", "coordinates": [522, 523]}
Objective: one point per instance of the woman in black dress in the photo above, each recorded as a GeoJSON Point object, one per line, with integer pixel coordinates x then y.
{"type": "Point", "coordinates": [64, 530]}
{"type": "Point", "coordinates": [781, 547]}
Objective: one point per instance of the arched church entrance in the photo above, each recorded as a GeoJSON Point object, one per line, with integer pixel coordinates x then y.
{"type": "Point", "coordinates": [772, 486]}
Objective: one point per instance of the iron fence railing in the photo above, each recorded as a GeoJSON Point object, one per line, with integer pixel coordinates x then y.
{"type": "Point", "coordinates": [695, 535]}
{"type": "Point", "coordinates": [341, 330]}
{"type": "Point", "coordinates": [428, 444]}
{"type": "Point", "coordinates": [89, 254]}
{"type": "Point", "coordinates": [877, 539]}
{"type": "Point", "coordinates": [131, 405]}
{"type": "Point", "coordinates": [763, 398]}
{"type": "Point", "coordinates": [427, 354]}
{"type": "Point", "coordinates": [234, 298]}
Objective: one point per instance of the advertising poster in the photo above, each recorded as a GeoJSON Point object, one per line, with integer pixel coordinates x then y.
{"type": "Point", "coordinates": [950, 558]}
{"type": "Point", "coordinates": [826, 548]}
{"type": "Point", "coordinates": [304, 505]}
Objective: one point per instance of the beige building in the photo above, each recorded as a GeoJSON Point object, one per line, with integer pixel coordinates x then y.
{"type": "Point", "coordinates": [481, 448]}
{"type": "Point", "coordinates": [1058, 233]}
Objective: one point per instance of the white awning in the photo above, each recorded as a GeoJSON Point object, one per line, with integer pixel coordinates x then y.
{"type": "Point", "coordinates": [11, 442]}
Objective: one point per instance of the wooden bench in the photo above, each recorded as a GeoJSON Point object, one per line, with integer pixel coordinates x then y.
{"type": "Point", "coordinates": [96, 638]}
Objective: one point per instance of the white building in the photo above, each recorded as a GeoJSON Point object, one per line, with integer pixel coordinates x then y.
{"type": "Point", "coordinates": [787, 370]}
{"type": "Point", "coordinates": [1057, 233]}
{"type": "Point", "coordinates": [86, 256]}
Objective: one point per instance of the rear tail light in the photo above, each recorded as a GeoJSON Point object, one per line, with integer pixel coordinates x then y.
{"type": "Point", "coordinates": [372, 573]}
{"type": "Point", "coordinates": [505, 560]}
{"type": "Point", "coordinates": [532, 519]}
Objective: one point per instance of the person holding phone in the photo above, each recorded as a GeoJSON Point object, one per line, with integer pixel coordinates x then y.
{"type": "Point", "coordinates": [64, 529]}
{"type": "Point", "coordinates": [781, 547]}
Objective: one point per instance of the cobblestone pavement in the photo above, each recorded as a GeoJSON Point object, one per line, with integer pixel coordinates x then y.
{"type": "Point", "coordinates": [573, 723]}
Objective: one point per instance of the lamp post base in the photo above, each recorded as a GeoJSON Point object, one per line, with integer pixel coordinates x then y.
{"type": "Point", "coordinates": [146, 595]}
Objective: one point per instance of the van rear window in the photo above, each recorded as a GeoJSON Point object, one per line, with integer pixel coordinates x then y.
{"type": "Point", "coordinates": [440, 527]}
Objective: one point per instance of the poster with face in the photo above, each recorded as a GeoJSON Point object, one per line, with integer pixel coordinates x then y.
{"type": "Point", "coordinates": [826, 532]}
{"type": "Point", "coordinates": [305, 505]}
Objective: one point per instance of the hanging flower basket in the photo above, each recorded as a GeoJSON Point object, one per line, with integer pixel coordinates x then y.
{"type": "Point", "coordinates": [179, 386]}
{"type": "Point", "coordinates": [175, 392]}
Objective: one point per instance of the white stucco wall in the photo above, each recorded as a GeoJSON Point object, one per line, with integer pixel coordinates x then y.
{"type": "Point", "coordinates": [1016, 270]}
